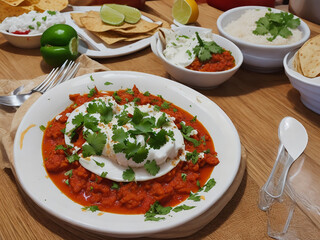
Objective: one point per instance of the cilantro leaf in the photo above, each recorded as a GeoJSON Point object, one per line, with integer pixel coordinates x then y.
{"type": "Point", "coordinates": [162, 120]}
{"type": "Point", "coordinates": [194, 156]}
{"type": "Point", "coordinates": [119, 135]}
{"type": "Point", "coordinates": [182, 207]}
{"type": "Point", "coordinates": [157, 140]}
{"type": "Point", "coordinates": [91, 122]}
{"type": "Point", "coordinates": [96, 142]}
{"type": "Point", "coordinates": [123, 118]}
{"type": "Point", "coordinates": [156, 209]}
{"type": "Point", "coordinates": [276, 24]}
{"type": "Point", "coordinates": [152, 167]}
{"type": "Point", "coordinates": [73, 158]}
{"type": "Point", "coordinates": [115, 185]}
{"type": "Point", "coordinates": [91, 208]}
{"type": "Point", "coordinates": [128, 174]}
{"type": "Point", "coordinates": [100, 164]}
{"type": "Point", "coordinates": [135, 151]}
{"type": "Point", "coordinates": [204, 50]}
{"type": "Point", "coordinates": [210, 184]}
{"type": "Point", "coordinates": [194, 197]}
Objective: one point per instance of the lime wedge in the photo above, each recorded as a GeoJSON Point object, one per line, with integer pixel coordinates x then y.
{"type": "Point", "coordinates": [73, 46]}
{"type": "Point", "coordinates": [111, 16]}
{"type": "Point", "coordinates": [132, 15]}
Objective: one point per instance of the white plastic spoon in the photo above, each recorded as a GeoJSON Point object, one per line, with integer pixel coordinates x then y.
{"type": "Point", "coordinates": [293, 140]}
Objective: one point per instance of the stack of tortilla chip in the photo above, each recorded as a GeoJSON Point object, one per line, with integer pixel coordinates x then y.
{"type": "Point", "coordinates": [111, 34]}
{"type": "Point", "coordinates": [13, 8]}
{"type": "Point", "coordinates": [307, 59]}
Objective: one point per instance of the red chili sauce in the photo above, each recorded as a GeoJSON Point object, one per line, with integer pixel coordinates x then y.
{"type": "Point", "coordinates": [89, 189]}
{"type": "Point", "coordinates": [219, 62]}
{"type": "Point", "coordinates": [21, 32]}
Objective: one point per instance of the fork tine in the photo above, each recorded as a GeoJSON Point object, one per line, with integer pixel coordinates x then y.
{"type": "Point", "coordinates": [46, 80]}
{"type": "Point", "coordinates": [52, 83]}
{"type": "Point", "coordinates": [63, 76]}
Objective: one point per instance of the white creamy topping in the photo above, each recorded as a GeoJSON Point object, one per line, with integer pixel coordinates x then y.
{"type": "Point", "coordinates": [179, 48]}
{"type": "Point", "coordinates": [34, 21]}
{"type": "Point", "coordinates": [172, 150]}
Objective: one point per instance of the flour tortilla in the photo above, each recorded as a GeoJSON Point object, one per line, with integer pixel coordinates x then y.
{"type": "Point", "coordinates": [309, 57]}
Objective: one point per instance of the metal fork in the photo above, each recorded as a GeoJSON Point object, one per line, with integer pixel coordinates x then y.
{"type": "Point", "coordinates": [55, 77]}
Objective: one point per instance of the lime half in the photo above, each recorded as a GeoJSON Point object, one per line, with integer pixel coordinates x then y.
{"type": "Point", "coordinates": [111, 16]}
{"type": "Point", "coordinates": [131, 14]}
{"type": "Point", "coordinates": [73, 46]}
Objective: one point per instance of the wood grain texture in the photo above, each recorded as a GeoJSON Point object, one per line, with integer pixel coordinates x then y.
{"type": "Point", "coordinates": [255, 103]}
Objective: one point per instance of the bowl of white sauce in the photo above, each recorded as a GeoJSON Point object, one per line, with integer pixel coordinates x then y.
{"type": "Point", "coordinates": [176, 49]}
{"type": "Point", "coordinates": [263, 47]}
{"type": "Point", "coordinates": [25, 31]}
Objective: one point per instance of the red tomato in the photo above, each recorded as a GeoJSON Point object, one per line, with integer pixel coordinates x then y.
{"type": "Point", "coordinates": [225, 5]}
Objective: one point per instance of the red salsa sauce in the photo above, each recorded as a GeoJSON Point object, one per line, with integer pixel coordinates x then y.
{"type": "Point", "coordinates": [218, 62]}
{"type": "Point", "coordinates": [89, 189]}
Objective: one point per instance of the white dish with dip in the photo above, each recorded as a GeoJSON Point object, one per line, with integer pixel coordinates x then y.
{"type": "Point", "coordinates": [257, 57]}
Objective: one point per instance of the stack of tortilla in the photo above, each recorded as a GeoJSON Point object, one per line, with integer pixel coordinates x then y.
{"type": "Point", "coordinates": [307, 59]}
{"type": "Point", "coordinates": [111, 34]}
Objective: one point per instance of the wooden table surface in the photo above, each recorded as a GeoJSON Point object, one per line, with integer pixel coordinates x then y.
{"type": "Point", "coordinates": [255, 103]}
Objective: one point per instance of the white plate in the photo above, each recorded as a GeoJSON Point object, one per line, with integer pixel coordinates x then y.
{"type": "Point", "coordinates": [33, 177]}
{"type": "Point", "coordinates": [94, 47]}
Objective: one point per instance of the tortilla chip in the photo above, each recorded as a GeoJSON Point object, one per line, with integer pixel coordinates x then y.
{"type": "Point", "coordinates": [94, 23]}
{"type": "Point", "coordinates": [76, 17]}
{"type": "Point", "coordinates": [29, 3]}
{"type": "Point", "coordinates": [309, 57]}
{"type": "Point", "coordinates": [7, 10]}
{"type": "Point", "coordinates": [141, 27]}
{"type": "Point", "coordinates": [109, 37]}
{"type": "Point", "coordinates": [12, 2]}
{"type": "Point", "coordinates": [56, 5]}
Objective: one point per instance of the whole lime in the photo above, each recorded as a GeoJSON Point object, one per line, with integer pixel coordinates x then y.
{"type": "Point", "coordinates": [59, 43]}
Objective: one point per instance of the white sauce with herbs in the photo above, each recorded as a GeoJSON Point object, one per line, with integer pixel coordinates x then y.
{"type": "Point", "coordinates": [34, 21]}
{"type": "Point", "coordinates": [179, 48]}
{"type": "Point", "coordinates": [113, 163]}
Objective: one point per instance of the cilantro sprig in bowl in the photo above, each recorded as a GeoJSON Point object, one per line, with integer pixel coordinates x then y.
{"type": "Point", "coordinates": [265, 40]}
{"type": "Point", "coordinates": [201, 49]}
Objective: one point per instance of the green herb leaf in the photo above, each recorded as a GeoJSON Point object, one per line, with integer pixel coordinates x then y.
{"type": "Point", "coordinates": [115, 186]}
{"type": "Point", "coordinates": [96, 142]}
{"type": "Point", "coordinates": [194, 156]}
{"type": "Point", "coordinates": [210, 184]}
{"type": "Point", "coordinates": [182, 207]}
{"type": "Point", "coordinates": [91, 208]}
{"type": "Point", "coordinates": [156, 209]}
{"type": "Point", "coordinates": [205, 49]}
{"type": "Point", "coordinates": [42, 128]}
{"type": "Point", "coordinates": [194, 197]}
{"type": "Point", "coordinates": [152, 167]}
{"type": "Point", "coordinates": [128, 175]}
{"type": "Point", "coordinates": [73, 158]}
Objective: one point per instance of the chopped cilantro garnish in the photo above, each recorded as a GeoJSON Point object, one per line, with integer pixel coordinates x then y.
{"type": "Point", "coordinates": [106, 112]}
{"type": "Point", "coordinates": [67, 181]}
{"type": "Point", "coordinates": [130, 91]}
{"type": "Point", "coordinates": [186, 130]}
{"type": "Point", "coordinates": [38, 24]}
{"type": "Point", "coordinates": [42, 128]}
{"type": "Point", "coordinates": [61, 147]}
{"type": "Point", "coordinates": [194, 156]}
{"type": "Point", "coordinates": [91, 208]}
{"type": "Point", "coordinates": [103, 174]}
{"type": "Point", "coordinates": [157, 140]}
{"type": "Point", "coordinates": [96, 142]}
{"type": "Point", "coordinates": [205, 49]}
{"type": "Point", "coordinates": [165, 105]}
{"type": "Point", "coordinates": [189, 53]}
{"type": "Point", "coordinates": [91, 78]}
{"type": "Point", "coordinates": [210, 184]}
{"type": "Point", "coordinates": [73, 158]}
{"type": "Point", "coordinates": [194, 119]}
{"type": "Point", "coordinates": [116, 97]}
{"type": "Point", "coordinates": [182, 207]}
{"type": "Point", "coordinates": [136, 100]}
{"type": "Point", "coordinates": [52, 12]}
{"type": "Point", "coordinates": [68, 173]}
{"type": "Point", "coordinates": [162, 120]}
{"type": "Point", "coordinates": [184, 176]}
{"type": "Point", "coordinates": [44, 18]}
{"type": "Point", "coordinates": [31, 27]}
{"type": "Point", "coordinates": [115, 186]}
{"type": "Point", "coordinates": [152, 167]}
{"type": "Point", "coordinates": [100, 164]}
{"type": "Point", "coordinates": [276, 24]}
{"type": "Point", "coordinates": [156, 209]}
{"type": "Point", "coordinates": [194, 197]}
{"type": "Point", "coordinates": [92, 92]}
{"type": "Point", "coordinates": [123, 118]}
{"type": "Point", "coordinates": [146, 94]}
{"type": "Point", "coordinates": [128, 174]}
{"type": "Point", "coordinates": [108, 83]}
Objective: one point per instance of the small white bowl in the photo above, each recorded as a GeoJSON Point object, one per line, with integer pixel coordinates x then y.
{"type": "Point", "coordinates": [309, 88]}
{"type": "Point", "coordinates": [196, 78]}
{"type": "Point", "coordinates": [257, 57]}
{"type": "Point", "coordinates": [23, 40]}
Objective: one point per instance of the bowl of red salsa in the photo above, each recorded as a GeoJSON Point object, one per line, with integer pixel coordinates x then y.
{"type": "Point", "coordinates": [196, 57]}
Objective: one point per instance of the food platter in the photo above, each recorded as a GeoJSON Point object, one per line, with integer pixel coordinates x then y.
{"type": "Point", "coordinates": [92, 46]}
{"type": "Point", "coordinates": [33, 177]}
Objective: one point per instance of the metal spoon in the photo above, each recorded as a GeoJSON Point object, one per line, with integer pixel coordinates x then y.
{"type": "Point", "coordinates": [293, 140]}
